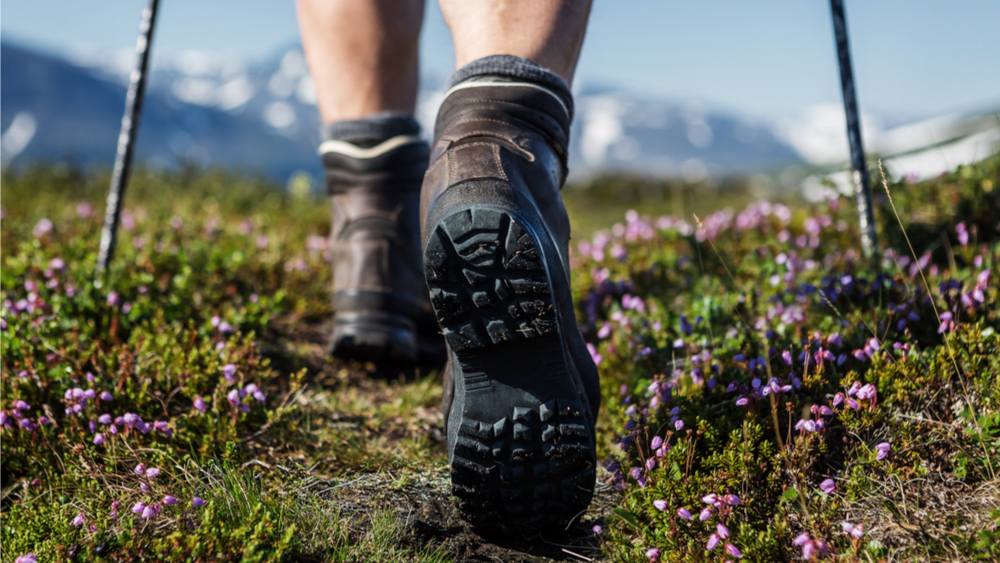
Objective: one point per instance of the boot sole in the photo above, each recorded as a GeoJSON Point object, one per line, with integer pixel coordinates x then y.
{"type": "Point", "coordinates": [522, 450]}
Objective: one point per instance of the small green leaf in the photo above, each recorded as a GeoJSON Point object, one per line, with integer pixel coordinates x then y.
{"type": "Point", "coordinates": [628, 517]}
{"type": "Point", "coordinates": [789, 495]}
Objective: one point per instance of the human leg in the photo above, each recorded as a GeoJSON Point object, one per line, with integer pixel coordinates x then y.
{"type": "Point", "coordinates": [546, 32]}
{"type": "Point", "coordinates": [522, 392]}
{"type": "Point", "coordinates": [362, 56]}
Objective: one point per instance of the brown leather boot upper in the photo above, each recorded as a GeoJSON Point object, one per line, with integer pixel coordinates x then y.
{"type": "Point", "coordinates": [380, 296]}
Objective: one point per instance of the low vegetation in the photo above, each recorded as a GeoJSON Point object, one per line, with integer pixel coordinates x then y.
{"type": "Point", "coordinates": [769, 394]}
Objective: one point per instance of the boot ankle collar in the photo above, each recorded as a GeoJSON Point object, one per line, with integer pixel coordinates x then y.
{"type": "Point", "coordinates": [349, 149]}
{"type": "Point", "coordinates": [505, 84]}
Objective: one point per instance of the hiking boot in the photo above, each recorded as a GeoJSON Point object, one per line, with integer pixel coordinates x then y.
{"type": "Point", "coordinates": [382, 312]}
{"type": "Point", "coordinates": [522, 393]}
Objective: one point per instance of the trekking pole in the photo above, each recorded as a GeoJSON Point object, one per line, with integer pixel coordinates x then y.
{"type": "Point", "coordinates": [126, 140]}
{"type": "Point", "coordinates": [862, 182]}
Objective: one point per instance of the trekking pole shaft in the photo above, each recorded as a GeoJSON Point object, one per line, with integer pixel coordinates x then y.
{"type": "Point", "coordinates": [126, 139]}
{"type": "Point", "coordinates": [862, 181]}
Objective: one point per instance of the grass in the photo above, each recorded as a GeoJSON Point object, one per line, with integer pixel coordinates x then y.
{"type": "Point", "coordinates": [219, 297]}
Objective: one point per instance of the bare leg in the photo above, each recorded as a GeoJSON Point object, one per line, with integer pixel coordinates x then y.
{"type": "Point", "coordinates": [362, 55]}
{"type": "Point", "coordinates": [547, 32]}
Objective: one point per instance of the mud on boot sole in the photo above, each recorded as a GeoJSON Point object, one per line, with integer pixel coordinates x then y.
{"type": "Point", "coordinates": [522, 452]}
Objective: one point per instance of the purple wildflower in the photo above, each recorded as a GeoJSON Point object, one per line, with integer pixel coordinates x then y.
{"type": "Point", "coordinates": [653, 554]}
{"type": "Point", "coordinates": [828, 486]}
{"type": "Point", "coordinates": [722, 531]}
{"type": "Point", "coordinates": [197, 502]}
{"type": "Point", "coordinates": [713, 542]}
{"type": "Point", "coordinates": [106, 396]}
{"type": "Point", "coordinates": [80, 519]}
{"type": "Point", "coordinates": [732, 500]}
{"type": "Point", "coordinates": [140, 469]}
{"type": "Point", "coordinates": [152, 472]}
{"type": "Point", "coordinates": [199, 403]}
{"type": "Point", "coordinates": [656, 443]}
{"type": "Point", "coordinates": [138, 507]}
{"type": "Point", "coordinates": [597, 529]}
{"type": "Point", "coordinates": [684, 513]}
{"type": "Point", "coordinates": [98, 439]}
{"type": "Point", "coordinates": [732, 550]}
{"type": "Point", "coordinates": [883, 450]}
{"type": "Point", "coordinates": [27, 558]}
{"type": "Point", "coordinates": [229, 371]}
{"type": "Point", "coordinates": [170, 499]}
{"type": "Point", "coordinates": [856, 530]}
{"type": "Point", "coordinates": [705, 514]}
{"type": "Point", "coordinates": [147, 512]}
{"type": "Point", "coordinates": [787, 357]}
{"type": "Point", "coordinates": [660, 505]}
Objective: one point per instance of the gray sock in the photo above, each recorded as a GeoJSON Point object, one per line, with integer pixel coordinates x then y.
{"type": "Point", "coordinates": [372, 130]}
{"type": "Point", "coordinates": [511, 68]}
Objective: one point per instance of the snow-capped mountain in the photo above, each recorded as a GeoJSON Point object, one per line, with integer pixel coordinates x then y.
{"type": "Point", "coordinates": [220, 109]}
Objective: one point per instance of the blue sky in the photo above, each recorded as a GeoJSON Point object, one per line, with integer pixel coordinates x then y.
{"type": "Point", "coordinates": [770, 58]}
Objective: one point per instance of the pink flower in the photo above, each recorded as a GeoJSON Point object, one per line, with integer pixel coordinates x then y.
{"type": "Point", "coordinates": [138, 507]}
{"type": "Point", "coordinates": [684, 513]}
{"type": "Point", "coordinates": [197, 502]}
{"type": "Point", "coordinates": [801, 539]}
{"type": "Point", "coordinates": [105, 396]}
{"type": "Point", "coordinates": [787, 357]}
{"type": "Point", "coordinates": [199, 403]}
{"type": "Point", "coordinates": [656, 443]}
{"type": "Point", "coordinates": [27, 558]}
{"type": "Point", "coordinates": [828, 486]}
{"type": "Point", "coordinates": [140, 469]}
{"type": "Point", "coordinates": [705, 514]}
{"type": "Point", "coordinates": [883, 450]}
{"type": "Point", "coordinates": [597, 529]}
{"type": "Point", "coordinates": [855, 530]}
{"type": "Point", "coordinates": [169, 499]}
{"type": "Point", "coordinates": [722, 531]}
{"type": "Point", "coordinates": [653, 554]}
{"type": "Point", "coordinates": [228, 371]}
{"type": "Point", "coordinates": [152, 472]}
{"type": "Point", "coordinates": [713, 542]}
{"type": "Point", "coordinates": [660, 505]}
{"type": "Point", "coordinates": [742, 401]}
{"type": "Point", "coordinates": [679, 424]}
{"type": "Point", "coordinates": [79, 520]}
{"type": "Point", "coordinates": [594, 355]}
{"type": "Point", "coordinates": [711, 498]}
{"type": "Point", "coordinates": [731, 550]}
{"type": "Point", "coordinates": [732, 500]}
{"type": "Point", "coordinates": [99, 438]}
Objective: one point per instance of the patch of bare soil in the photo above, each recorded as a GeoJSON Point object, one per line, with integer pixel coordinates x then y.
{"type": "Point", "coordinates": [432, 519]}
{"type": "Point", "coordinates": [422, 500]}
